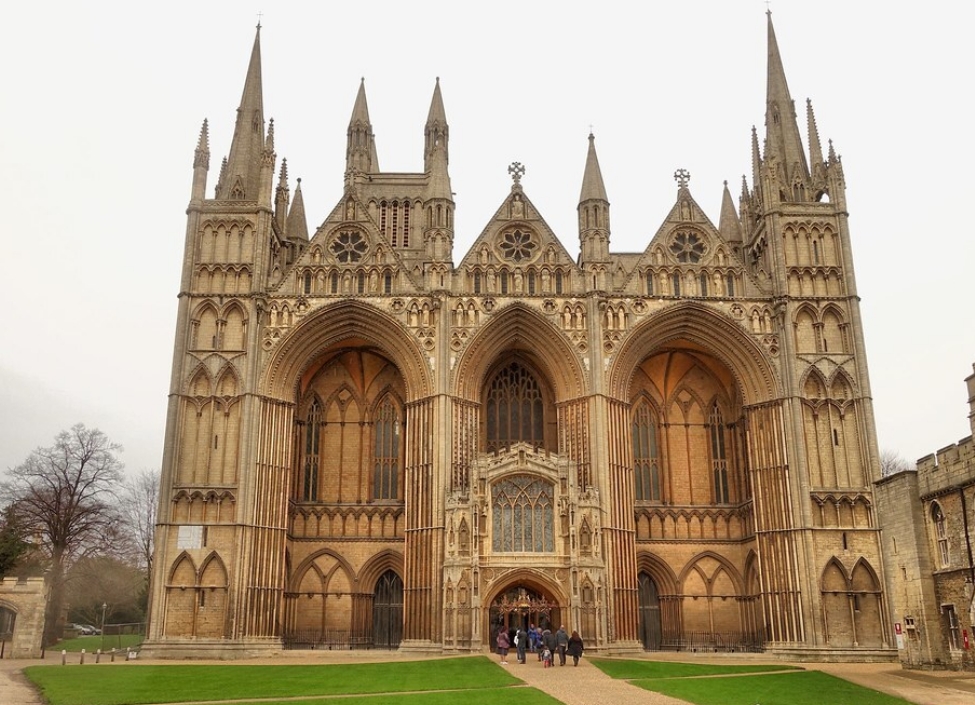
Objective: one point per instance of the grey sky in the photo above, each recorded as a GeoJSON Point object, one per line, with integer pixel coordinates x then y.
{"type": "Point", "coordinates": [103, 103]}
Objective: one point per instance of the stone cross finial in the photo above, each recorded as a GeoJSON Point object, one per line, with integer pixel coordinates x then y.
{"type": "Point", "coordinates": [517, 170]}
{"type": "Point", "coordinates": [682, 177]}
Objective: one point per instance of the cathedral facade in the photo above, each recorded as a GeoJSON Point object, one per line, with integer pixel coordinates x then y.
{"type": "Point", "coordinates": [371, 446]}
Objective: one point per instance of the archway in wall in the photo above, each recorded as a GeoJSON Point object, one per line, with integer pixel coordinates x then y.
{"type": "Point", "coordinates": [387, 612]}
{"type": "Point", "coordinates": [522, 606]}
{"type": "Point", "coordinates": [649, 628]}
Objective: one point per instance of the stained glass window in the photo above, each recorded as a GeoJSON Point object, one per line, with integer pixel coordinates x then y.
{"type": "Point", "coordinates": [514, 409]}
{"type": "Point", "coordinates": [523, 517]}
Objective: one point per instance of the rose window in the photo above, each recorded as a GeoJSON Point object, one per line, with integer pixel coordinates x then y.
{"type": "Point", "coordinates": [687, 247]}
{"type": "Point", "coordinates": [348, 246]}
{"type": "Point", "coordinates": [517, 245]}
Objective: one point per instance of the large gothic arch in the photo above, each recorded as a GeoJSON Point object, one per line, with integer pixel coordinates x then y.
{"type": "Point", "coordinates": [522, 329]}
{"type": "Point", "coordinates": [702, 326]}
{"type": "Point", "coordinates": [352, 324]}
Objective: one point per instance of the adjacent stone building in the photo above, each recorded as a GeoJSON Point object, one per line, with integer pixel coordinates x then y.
{"type": "Point", "coordinates": [23, 603]}
{"type": "Point", "coordinates": [372, 443]}
{"type": "Point", "coordinates": [928, 517]}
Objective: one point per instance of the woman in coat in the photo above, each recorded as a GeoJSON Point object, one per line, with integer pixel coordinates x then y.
{"type": "Point", "coordinates": [575, 647]}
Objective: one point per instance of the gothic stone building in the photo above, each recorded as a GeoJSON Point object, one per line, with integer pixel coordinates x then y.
{"type": "Point", "coordinates": [928, 519]}
{"type": "Point", "coordinates": [369, 444]}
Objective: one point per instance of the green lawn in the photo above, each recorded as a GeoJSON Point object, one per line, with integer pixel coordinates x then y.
{"type": "Point", "coordinates": [629, 670]}
{"type": "Point", "coordinates": [91, 644]}
{"type": "Point", "coordinates": [135, 683]}
{"type": "Point", "coordinates": [792, 687]}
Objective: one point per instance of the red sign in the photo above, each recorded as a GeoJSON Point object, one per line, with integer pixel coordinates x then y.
{"type": "Point", "coordinates": [964, 636]}
{"type": "Point", "coordinates": [897, 627]}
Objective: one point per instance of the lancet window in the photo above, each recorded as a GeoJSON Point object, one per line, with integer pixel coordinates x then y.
{"type": "Point", "coordinates": [646, 456]}
{"type": "Point", "coordinates": [719, 459]}
{"type": "Point", "coordinates": [386, 451]}
{"type": "Point", "coordinates": [514, 410]}
{"type": "Point", "coordinates": [310, 464]}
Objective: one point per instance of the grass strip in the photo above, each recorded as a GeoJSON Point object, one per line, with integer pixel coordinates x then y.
{"type": "Point", "coordinates": [495, 696]}
{"type": "Point", "coordinates": [796, 688]}
{"type": "Point", "coordinates": [628, 670]}
{"type": "Point", "coordinates": [138, 684]}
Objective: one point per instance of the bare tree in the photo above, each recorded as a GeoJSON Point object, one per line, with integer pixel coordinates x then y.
{"type": "Point", "coordinates": [140, 501]}
{"type": "Point", "coordinates": [892, 462]}
{"type": "Point", "coordinates": [65, 494]}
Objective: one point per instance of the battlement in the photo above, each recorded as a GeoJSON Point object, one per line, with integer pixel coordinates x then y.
{"type": "Point", "coordinates": [951, 466]}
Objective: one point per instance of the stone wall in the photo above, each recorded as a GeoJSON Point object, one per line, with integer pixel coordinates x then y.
{"type": "Point", "coordinates": [27, 600]}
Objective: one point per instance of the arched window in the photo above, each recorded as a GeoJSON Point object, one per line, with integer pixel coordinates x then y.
{"type": "Point", "coordinates": [731, 284]}
{"type": "Point", "coordinates": [310, 464]}
{"type": "Point", "coordinates": [307, 282]}
{"type": "Point", "coordinates": [523, 518]}
{"type": "Point", "coordinates": [704, 283]}
{"type": "Point", "coordinates": [649, 283]}
{"type": "Point", "coordinates": [360, 283]}
{"type": "Point", "coordinates": [387, 283]}
{"type": "Point", "coordinates": [335, 282]}
{"type": "Point", "coordinates": [941, 535]}
{"type": "Point", "coordinates": [514, 410]}
{"type": "Point", "coordinates": [386, 453]}
{"type": "Point", "coordinates": [646, 458]}
{"type": "Point", "coordinates": [531, 283]}
{"type": "Point", "coordinates": [503, 279]}
{"type": "Point", "coordinates": [477, 282]}
{"type": "Point", "coordinates": [719, 460]}
{"type": "Point", "coordinates": [558, 281]}
{"type": "Point", "coordinates": [676, 280]}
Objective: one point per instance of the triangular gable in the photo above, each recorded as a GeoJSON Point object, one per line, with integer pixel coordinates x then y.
{"type": "Point", "coordinates": [686, 237]}
{"type": "Point", "coordinates": [348, 239]}
{"type": "Point", "coordinates": [517, 236]}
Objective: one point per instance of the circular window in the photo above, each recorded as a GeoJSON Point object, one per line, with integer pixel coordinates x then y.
{"type": "Point", "coordinates": [517, 245]}
{"type": "Point", "coordinates": [348, 246]}
{"type": "Point", "coordinates": [688, 247]}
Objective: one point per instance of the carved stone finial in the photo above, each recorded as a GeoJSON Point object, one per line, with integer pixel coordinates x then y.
{"type": "Point", "coordinates": [517, 170]}
{"type": "Point", "coordinates": [682, 177]}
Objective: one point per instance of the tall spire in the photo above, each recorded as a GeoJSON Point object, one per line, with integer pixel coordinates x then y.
{"type": "Point", "coordinates": [593, 211]}
{"type": "Point", "coordinates": [360, 153]}
{"type": "Point", "coordinates": [201, 164]}
{"type": "Point", "coordinates": [436, 154]}
{"type": "Point", "coordinates": [281, 198]}
{"type": "Point", "coordinates": [592, 178]}
{"type": "Point", "coordinates": [243, 175]}
{"type": "Point", "coordinates": [782, 138]}
{"type": "Point", "coordinates": [297, 227]}
{"type": "Point", "coordinates": [815, 149]}
{"type": "Point", "coordinates": [728, 224]}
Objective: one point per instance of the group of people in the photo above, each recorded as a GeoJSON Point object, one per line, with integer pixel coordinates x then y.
{"type": "Point", "coordinates": [543, 642]}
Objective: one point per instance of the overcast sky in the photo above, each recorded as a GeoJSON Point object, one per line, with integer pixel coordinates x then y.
{"type": "Point", "coordinates": [103, 102]}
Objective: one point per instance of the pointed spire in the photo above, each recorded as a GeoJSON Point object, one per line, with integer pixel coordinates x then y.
{"type": "Point", "coordinates": [593, 212]}
{"type": "Point", "coordinates": [202, 156]}
{"type": "Point", "coordinates": [281, 198]}
{"type": "Point", "coordinates": [436, 154]}
{"type": "Point", "coordinates": [815, 149]}
{"type": "Point", "coordinates": [297, 227]}
{"type": "Point", "coordinates": [247, 147]}
{"type": "Point", "coordinates": [756, 159]}
{"type": "Point", "coordinates": [592, 179]}
{"type": "Point", "coordinates": [728, 224]}
{"type": "Point", "coordinates": [781, 128]}
{"type": "Point", "coordinates": [201, 164]}
{"type": "Point", "coordinates": [360, 153]}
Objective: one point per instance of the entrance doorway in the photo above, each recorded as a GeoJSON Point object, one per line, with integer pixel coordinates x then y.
{"type": "Point", "coordinates": [649, 624]}
{"type": "Point", "coordinates": [387, 612]}
{"type": "Point", "coordinates": [521, 607]}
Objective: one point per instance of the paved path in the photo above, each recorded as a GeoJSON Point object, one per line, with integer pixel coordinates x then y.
{"type": "Point", "coordinates": [587, 685]}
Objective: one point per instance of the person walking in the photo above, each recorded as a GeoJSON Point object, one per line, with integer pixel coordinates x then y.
{"type": "Point", "coordinates": [548, 647]}
{"type": "Point", "coordinates": [575, 647]}
{"type": "Point", "coordinates": [537, 638]}
{"type": "Point", "coordinates": [561, 643]}
{"type": "Point", "coordinates": [503, 645]}
{"type": "Point", "coordinates": [521, 643]}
